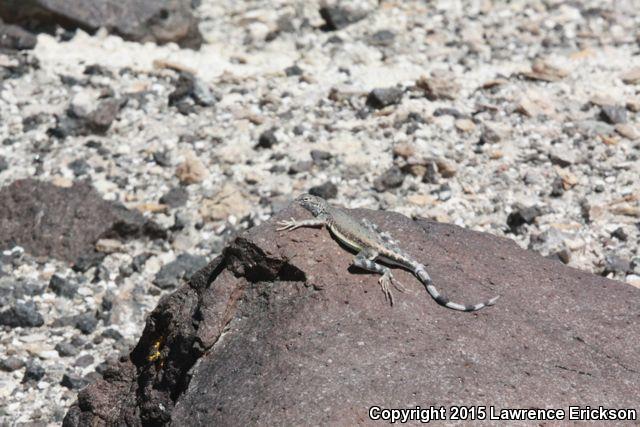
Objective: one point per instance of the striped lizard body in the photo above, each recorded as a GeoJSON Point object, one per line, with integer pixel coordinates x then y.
{"type": "Point", "coordinates": [371, 244]}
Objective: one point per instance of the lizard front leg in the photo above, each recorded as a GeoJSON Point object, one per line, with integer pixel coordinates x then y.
{"type": "Point", "coordinates": [365, 260]}
{"type": "Point", "coordinates": [293, 224]}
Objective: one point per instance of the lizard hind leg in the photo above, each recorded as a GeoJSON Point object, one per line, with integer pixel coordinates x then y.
{"type": "Point", "coordinates": [365, 260]}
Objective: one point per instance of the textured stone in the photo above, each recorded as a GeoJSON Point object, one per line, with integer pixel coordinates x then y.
{"type": "Point", "coordinates": [175, 197]}
{"type": "Point", "coordinates": [439, 86]}
{"type": "Point", "coordinates": [337, 18]}
{"type": "Point", "coordinates": [11, 363]}
{"type": "Point", "coordinates": [392, 178]}
{"type": "Point", "coordinates": [73, 381]}
{"type": "Point", "coordinates": [328, 190]}
{"type": "Point", "coordinates": [138, 20]}
{"type": "Point", "coordinates": [62, 287]}
{"type": "Point", "coordinates": [15, 37]}
{"type": "Point", "coordinates": [23, 314]}
{"type": "Point", "coordinates": [267, 139]}
{"type": "Point", "coordinates": [522, 215]}
{"type": "Point", "coordinates": [34, 372]}
{"type": "Point", "coordinates": [632, 76]}
{"type": "Point", "coordinates": [383, 97]}
{"type": "Point", "coordinates": [191, 170]}
{"type": "Point", "coordinates": [64, 223]}
{"type": "Point", "coordinates": [86, 322]}
{"type": "Point", "coordinates": [613, 114]}
{"type": "Point", "coordinates": [294, 325]}
{"type": "Point", "coordinates": [182, 267]}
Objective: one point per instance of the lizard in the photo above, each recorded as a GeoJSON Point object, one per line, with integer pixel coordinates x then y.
{"type": "Point", "coordinates": [370, 244]}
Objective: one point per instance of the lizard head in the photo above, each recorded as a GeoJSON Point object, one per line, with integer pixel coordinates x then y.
{"type": "Point", "coordinates": [314, 204]}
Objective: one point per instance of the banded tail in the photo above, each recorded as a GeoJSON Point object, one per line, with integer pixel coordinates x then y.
{"type": "Point", "coordinates": [424, 277]}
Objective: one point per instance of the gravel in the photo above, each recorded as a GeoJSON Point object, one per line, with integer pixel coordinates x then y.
{"type": "Point", "coordinates": [518, 121]}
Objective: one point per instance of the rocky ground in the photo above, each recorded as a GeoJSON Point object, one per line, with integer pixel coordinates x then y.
{"type": "Point", "coordinates": [518, 119]}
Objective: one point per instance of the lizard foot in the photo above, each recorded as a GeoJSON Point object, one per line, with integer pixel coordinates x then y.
{"type": "Point", "coordinates": [386, 281]}
{"type": "Point", "coordinates": [287, 225]}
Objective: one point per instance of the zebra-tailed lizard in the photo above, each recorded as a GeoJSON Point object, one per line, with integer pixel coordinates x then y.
{"type": "Point", "coordinates": [370, 244]}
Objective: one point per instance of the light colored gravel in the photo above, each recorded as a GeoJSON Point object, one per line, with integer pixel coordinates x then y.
{"type": "Point", "coordinates": [471, 43]}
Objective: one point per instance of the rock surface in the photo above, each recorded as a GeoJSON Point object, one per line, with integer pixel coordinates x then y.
{"type": "Point", "coordinates": [139, 20]}
{"type": "Point", "coordinates": [63, 223]}
{"type": "Point", "coordinates": [279, 329]}
{"type": "Point", "coordinates": [14, 37]}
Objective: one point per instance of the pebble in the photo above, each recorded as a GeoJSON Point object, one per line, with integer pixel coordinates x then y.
{"type": "Point", "coordinates": [34, 372]}
{"type": "Point", "coordinates": [16, 37]}
{"type": "Point", "coordinates": [534, 107]}
{"type": "Point", "coordinates": [301, 166]}
{"type": "Point", "coordinates": [404, 150]}
{"type": "Point", "coordinates": [21, 314]}
{"type": "Point", "coordinates": [11, 363]}
{"type": "Point", "coordinates": [191, 170]}
{"type": "Point", "coordinates": [4, 164]}
{"type": "Point", "coordinates": [86, 323]}
{"type": "Point", "coordinates": [84, 361]}
{"type": "Point", "coordinates": [229, 200]}
{"type": "Point", "coordinates": [491, 134]}
{"type": "Point", "coordinates": [62, 287]}
{"type": "Point", "coordinates": [557, 187]}
{"type": "Point", "coordinates": [563, 156]}
{"type": "Point", "coordinates": [440, 85]}
{"type": "Point", "coordinates": [382, 38]}
{"type": "Point", "coordinates": [293, 70]}
{"type": "Point", "coordinates": [73, 381]}
{"type": "Point", "coordinates": [633, 105]}
{"type": "Point", "coordinates": [522, 215]}
{"type": "Point", "coordinates": [100, 120]}
{"type": "Point", "coordinates": [176, 197]}
{"type": "Point", "coordinates": [113, 334]}
{"type": "Point", "coordinates": [627, 130]}
{"type": "Point", "coordinates": [465, 125]}
{"type": "Point", "coordinates": [109, 246]}
{"type": "Point", "coordinates": [327, 191]}
{"type": "Point", "coordinates": [267, 139]}
{"type": "Point", "coordinates": [162, 158]}
{"type": "Point", "coordinates": [319, 156]}
{"type": "Point", "coordinates": [632, 76]}
{"type": "Point", "coordinates": [421, 199]}
{"type": "Point", "coordinates": [65, 349]}
{"type": "Point", "coordinates": [446, 169]}
{"type": "Point", "coordinates": [613, 114]}
{"type": "Point", "coordinates": [337, 17]}
{"type": "Point", "coordinates": [182, 268]}
{"type": "Point", "coordinates": [392, 178]}
{"type": "Point", "coordinates": [447, 111]}
{"type": "Point", "coordinates": [615, 264]}
{"type": "Point", "coordinates": [544, 71]}
{"type": "Point", "coordinates": [383, 97]}
{"type": "Point", "coordinates": [79, 167]}
{"type": "Point", "coordinates": [633, 280]}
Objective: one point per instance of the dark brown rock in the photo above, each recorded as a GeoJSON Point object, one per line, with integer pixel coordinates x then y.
{"type": "Point", "coordinates": [308, 337]}
{"type": "Point", "coordinates": [63, 223]}
{"type": "Point", "coordinates": [138, 20]}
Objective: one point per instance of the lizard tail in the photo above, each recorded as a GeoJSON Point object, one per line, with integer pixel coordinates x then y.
{"type": "Point", "coordinates": [424, 277]}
